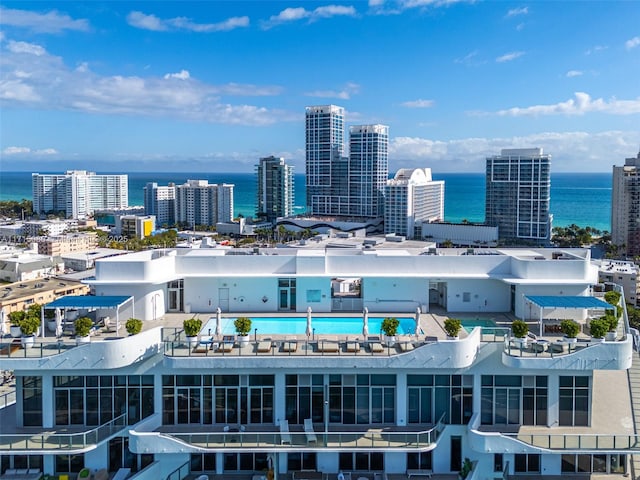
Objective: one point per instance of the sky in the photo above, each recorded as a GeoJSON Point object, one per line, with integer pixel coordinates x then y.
{"type": "Point", "coordinates": [212, 86]}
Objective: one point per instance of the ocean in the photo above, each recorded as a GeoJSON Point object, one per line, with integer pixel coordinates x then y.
{"type": "Point", "coordinates": [580, 198]}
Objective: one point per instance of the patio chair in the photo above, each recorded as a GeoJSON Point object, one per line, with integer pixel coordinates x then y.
{"type": "Point", "coordinates": [227, 344]}
{"type": "Point", "coordinates": [285, 435]}
{"type": "Point", "coordinates": [374, 344]}
{"type": "Point", "coordinates": [353, 346]}
{"type": "Point", "coordinates": [264, 346]}
{"type": "Point", "coordinates": [308, 430]}
{"type": "Point", "coordinates": [289, 345]}
{"type": "Point", "coordinates": [329, 345]}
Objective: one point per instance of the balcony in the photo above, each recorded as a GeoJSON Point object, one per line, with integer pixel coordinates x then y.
{"type": "Point", "coordinates": [54, 442]}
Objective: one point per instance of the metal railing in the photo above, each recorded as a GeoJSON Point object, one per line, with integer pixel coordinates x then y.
{"type": "Point", "coordinates": [368, 439]}
{"type": "Point", "coordinates": [181, 472]}
{"type": "Point", "coordinates": [7, 399]}
{"type": "Point", "coordinates": [579, 441]}
{"type": "Point", "coordinates": [14, 348]}
{"type": "Point", "coordinates": [279, 348]}
{"type": "Point", "coordinates": [62, 441]}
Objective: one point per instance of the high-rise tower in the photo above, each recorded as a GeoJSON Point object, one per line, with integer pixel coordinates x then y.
{"type": "Point", "coordinates": [518, 185]}
{"type": "Point", "coordinates": [625, 207]}
{"type": "Point", "coordinates": [325, 161]}
{"type": "Point", "coordinates": [275, 188]}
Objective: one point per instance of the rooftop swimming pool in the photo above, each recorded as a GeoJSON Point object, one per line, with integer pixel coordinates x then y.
{"type": "Point", "coordinates": [298, 325]}
{"type": "Point", "coordinates": [470, 323]}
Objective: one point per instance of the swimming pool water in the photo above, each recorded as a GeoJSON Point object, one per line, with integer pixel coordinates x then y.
{"type": "Point", "coordinates": [470, 323]}
{"type": "Point", "coordinates": [298, 325]}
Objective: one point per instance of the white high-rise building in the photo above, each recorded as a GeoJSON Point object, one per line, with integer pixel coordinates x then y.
{"type": "Point", "coordinates": [274, 189]}
{"type": "Point", "coordinates": [411, 198]}
{"type": "Point", "coordinates": [625, 207]}
{"type": "Point", "coordinates": [161, 202]}
{"type": "Point", "coordinates": [325, 160]}
{"type": "Point", "coordinates": [78, 193]}
{"type": "Point", "coordinates": [368, 169]}
{"type": "Point", "coordinates": [518, 192]}
{"type": "Point", "coordinates": [201, 203]}
{"type": "Point", "coordinates": [338, 185]}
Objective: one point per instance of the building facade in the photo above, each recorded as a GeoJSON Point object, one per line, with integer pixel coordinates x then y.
{"type": "Point", "coordinates": [313, 406]}
{"type": "Point", "coordinates": [625, 207]}
{"type": "Point", "coordinates": [275, 189]}
{"type": "Point", "coordinates": [368, 169]}
{"type": "Point", "coordinates": [518, 193]}
{"type": "Point", "coordinates": [201, 203]}
{"type": "Point", "coordinates": [78, 193]}
{"type": "Point", "coordinates": [161, 202]}
{"type": "Point", "coordinates": [412, 198]}
{"type": "Point", "coordinates": [61, 244]}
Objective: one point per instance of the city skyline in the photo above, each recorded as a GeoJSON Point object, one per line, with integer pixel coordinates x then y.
{"type": "Point", "coordinates": [218, 85]}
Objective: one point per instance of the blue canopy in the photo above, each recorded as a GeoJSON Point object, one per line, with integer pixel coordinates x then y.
{"type": "Point", "coordinates": [88, 301]}
{"type": "Point", "coordinates": [569, 302]}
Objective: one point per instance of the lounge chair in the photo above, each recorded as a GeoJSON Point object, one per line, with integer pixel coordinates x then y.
{"type": "Point", "coordinates": [264, 346]}
{"type": "Point", "coordinates": [285, 435]}
{"type": "Point", "coordinates": [228, 341]}
{"type": "Point", "coordinates": [405, 346]}
{"type": "Point", "coordinates": [329, 345]}
{"type": "Point", "coordinates": [289, 346]}
{"type": "Point", "coordinates": [308, 430]}
{"type": "Point", "coordinates": [353, 346]}
{"type": "Point", "coordinates": [374, 344]}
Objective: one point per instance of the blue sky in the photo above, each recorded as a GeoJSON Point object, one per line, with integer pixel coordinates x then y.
{"type": "Point", "coordinates": [212, 86]}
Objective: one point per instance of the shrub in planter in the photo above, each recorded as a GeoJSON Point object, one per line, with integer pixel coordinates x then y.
{"type": "Point", "coordinates": [16, 317]}
{"type": "Point", "coordinates": [519, 328]}
{"type": "Point", "coordinates": [467, 466]}
{"type": "Point", "coordinates": [29, 325]}
{"type": "Point", "coordinates": [611, 321]}
{"type": "Point", "coordinates": [83, 326]}
{"type": "Point", "coordinates": [452, 326]}
{"type": "Point", "coordinates": [192, 327]}
{"type": "Point", "coordinates": [133, 326]}
{"type": "Point", "coordinates": [612, 297]}
{"type": "Point", "coordinates": [390, 326]}
{"type": "Point", "coordinates": [242, 325]}
{"type": "Point", "coordinates": [598, 327]}
{"type": "Point", "coordinates": [569, 328]}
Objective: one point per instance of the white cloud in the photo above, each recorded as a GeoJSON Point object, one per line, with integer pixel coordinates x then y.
{"type": "Point", "coordinates": [46, 83]}
{"type": "Point", "coordinates": [470, 59]}
{"type": "Point", "coordinates": [376, 3]}
{"type": "Point", "coordinates": [151, 22]}
{"type": "Point", "coordinates": [514, 12]}
{"type": "Point", "coordinates": [344, 94]}
{"type": "Point", "coordinates": [181, 75]}
{"type": "Point", "coordinates": [632, 43]}
{"type": "Point", "coordinates": [23, 151]}
{"type": "Point", "coordinates": [51, 22]}
{"type": "Point", "coordinates": [596, 49]}
{"type": "Point", "coordinates": [24, 47]}
{"type": "Point", "coordinates": [507, 57]}
{"type": "Point", "coordinates": [574, 73]}
{"type": "Point", "coordinates": [571, 151]}
{"type": "Point", "coordinates": [299, 13]}
{"type": "Point", "coordinates": [420, 103]}
{"type": "Point", "coordinates": [579, 105]}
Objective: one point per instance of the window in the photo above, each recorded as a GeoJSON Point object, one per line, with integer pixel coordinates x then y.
{"type": "Point", "coordinates": [362, 461]}
{"type": "Point", "coordinates": [32, 401]}
{"type": "Point", "coordinates": [362, 399]}
{"type": "Point", "coordinates": [431, 396]}
{"type": "Point", "coordinates": [419, 461]}
{"type": "Point", "coordinates": [203, 462]}
{"type": "Point", "coordinates": [514, 400]}
{"type": "Point", "coordinates": [301, 461]}
{"type": "Point", "coordinates": [574, 401]}
{"type": "Point", "coordinates": [304, 398]}
{"type": "Point", "coordinates": [527, 463]}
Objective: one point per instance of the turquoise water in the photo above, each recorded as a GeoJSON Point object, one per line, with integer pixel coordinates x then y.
{"type": "Point", "coordinates": [470, 323]}
{"type": "Point", "coordinates": [298, 325]}
{"type": "Point", "coordinates": [580, 198]}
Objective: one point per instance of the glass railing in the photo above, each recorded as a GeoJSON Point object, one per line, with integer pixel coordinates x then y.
{"type": "Point", "coordinates": [542, 348]}
{"type": "Point", "coordinates": [7, 399]}
{"type": "Point", "coordinates": [573, 442]}
{"type": "Point", "coordinates": [319, 347]}
{"type": "Point", "coordinates": [367, 439]}
{"type": "Point", "coordinates": [62, 441]}
{"type": "Point", "coordinates": [14, 349]}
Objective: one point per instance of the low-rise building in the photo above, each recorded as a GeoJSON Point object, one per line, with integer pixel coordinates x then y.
{"type": "Point", "coordinates": [25, 266]}
{"type": "Point", "coordinates": [135, 226]}
{"type": "Point", "coordinates": [38, 228]}
{"type": "Point", "coordinates": [623, 273]}
{"type": "Point", "coordinates": [61, 244]}
{"type": "Point", "coordinates": [19, 295]}
{"type": "Point", "coordinates": [80, 261]}
{"type": "Point", "coordinates": [460, 234]}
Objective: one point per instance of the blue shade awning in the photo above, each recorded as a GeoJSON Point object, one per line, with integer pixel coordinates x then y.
{"type": "Point", "coordinates": [568, 302]}
{"type": "Point", "coordinates": [88, 301]}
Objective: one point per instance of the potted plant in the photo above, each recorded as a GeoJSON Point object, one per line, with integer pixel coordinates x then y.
{"type": "Point", "coordinates": [390, 328]}
{"type": "Point", "coordinates": [467, 466]}
{"type": "Point", "coordinates": [29, 326]}
{"type": "Point", "coordinates": [452, 326]}
{"type": "Point", "coordinates": [14, 319]}
{"type": "Point", "coordinates": [243, 327]}
{"type": "Point", "coordinates": [192, 328]}
{"type": "Point", "coordinates": [570, 329]}
{"type": "Point", "coordinates": [612, 325]}
{"type": "Point", "coordinates": [83, 327]}
{"type": "Point", "coordinates": [50, 317]}
{"type": "Point", "coordinates": [598, 328]}
{"type": "Point", "coordinates": [520, 329]}
{"type": "Point", "coordinates": [133, 326]}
